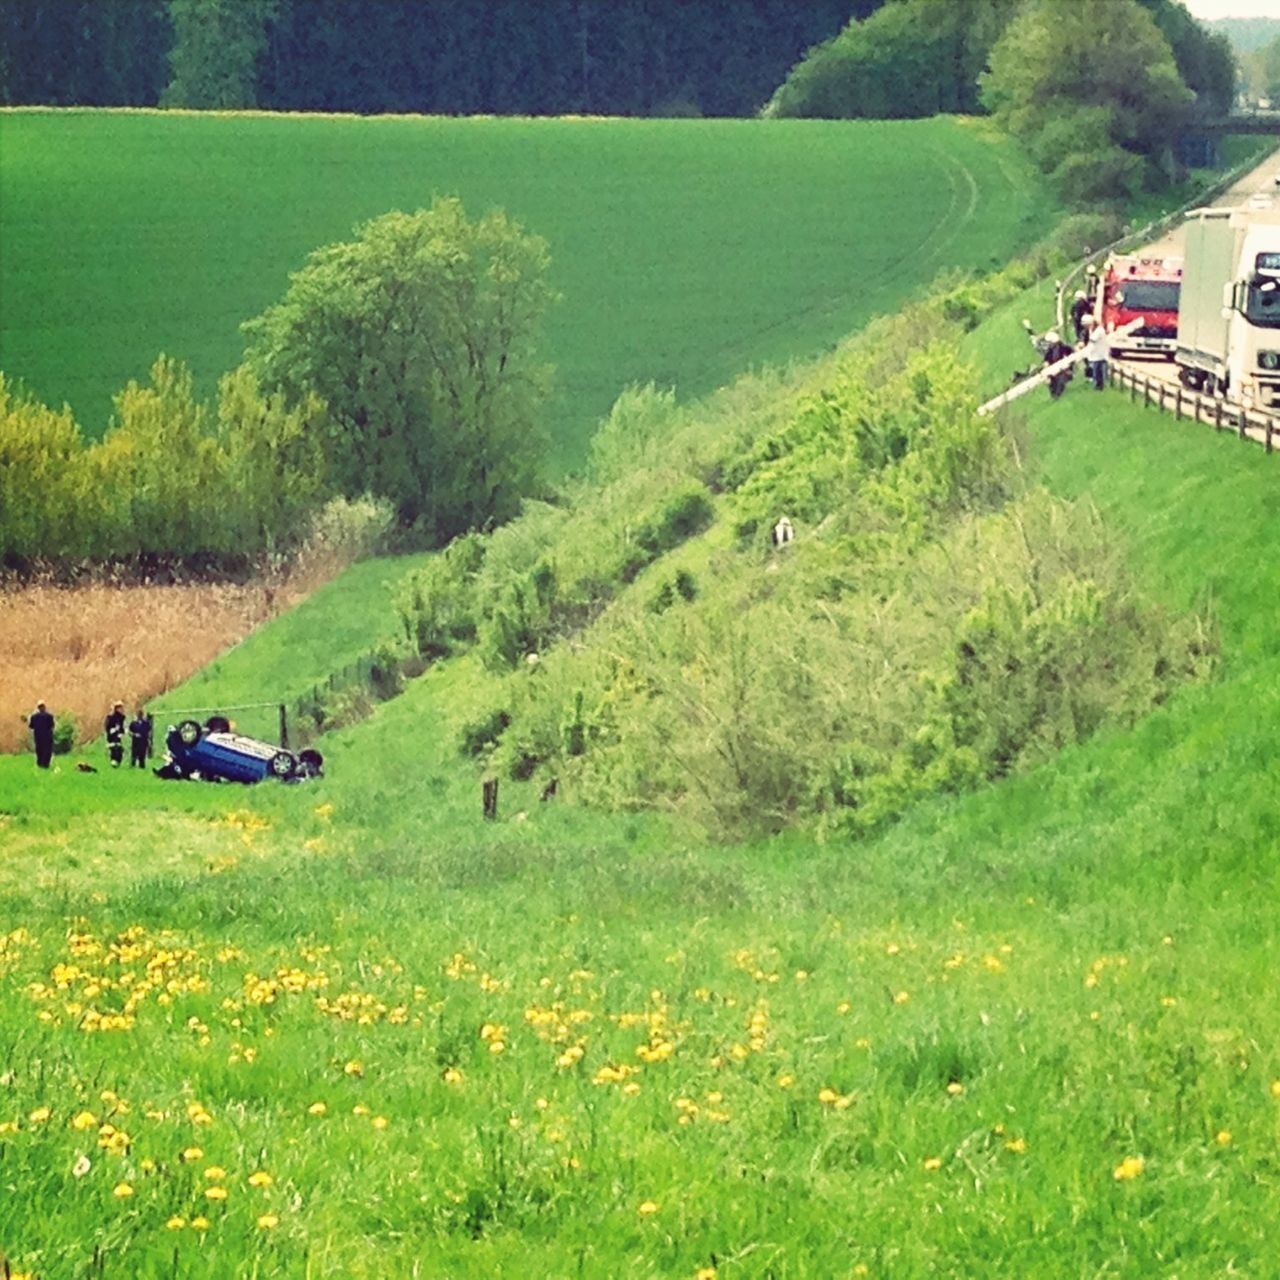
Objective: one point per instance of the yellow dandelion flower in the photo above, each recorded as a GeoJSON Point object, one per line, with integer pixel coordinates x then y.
{"type": "Point", "coordinates": [631, 1088]}
{"type": "Point", "coordinates": [317, 1109]}
{"type": "Point", "coordinates": [260, 1178]}
{"type": "Point", "coordinates": [827, 1095]}
{"type": "Point", "coordinates": [147, 1164]}
{"type": "Point", "coordinates": [176, 1223]}
{"type": "Point", "coordinates": [192, 1153]}
{"type": "Point", "coordinates": [39, 1115]}
{"type": "Point", "coordinates": [1016, 1145]}
{"type": "Point", "coordinates": [647, 1207]}
{"type": "Point", "coordinates": [452, 1075]}
{"type": "Point", "coordinates": [1223, 1137]}
{"type": "Point", "coordinates": [122, 1190]}
{"type": "Point", "coordinates": [353, 1068]}
{"type": "Point", "coordinates": [1128, 1168]}
{"type": "Point", "coordinates": [83, 1120]}
{"type": "Point", "coordinates": [379, 1122]}
{"type": "Point", "coordinates": [705, 1273]}
{"type": "Point", "coordinates": [933, 1162]}
{"type": "Point", "coordinates": [955, 1088]}
{"type": "Point", "coordinates": [786, 1080]}
{"type": "Point", "coordinates": [215, 1193]}
{"type": "Point", "coordinates": [902, 997]}
{"type": "Point", "coordinates": [541, 1103]}
{"type": "Point", "coordinates": [843, 1007]}
{"type": "Point", "coordinates": [1275, 1088]}
{"type": "Point", "coordinates": [268, 1220]}
{"type": "Point", "coordinates": [215, 1173]}
{"type": "Point", "coordinates": [200, 1223]}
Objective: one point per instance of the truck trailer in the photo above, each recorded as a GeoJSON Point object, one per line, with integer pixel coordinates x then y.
{"type": "Point", "coordinates": [1229, 318]}
{"type": "Point", "coordinates": [1147, 289]}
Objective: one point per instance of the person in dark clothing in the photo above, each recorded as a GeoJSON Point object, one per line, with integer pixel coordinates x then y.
{"type": "Point", "coordinates": [1080, 308]}
{"type": "Point", "coordinates": [139, 740]}
{"type": "Point", "coordinates": [113, 725]}
{"type": "Point", "coordinates": [1054, 350]}
{"type": "Point", "coordinates": [40, 722]}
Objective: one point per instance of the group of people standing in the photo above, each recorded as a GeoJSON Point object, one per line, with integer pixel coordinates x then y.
{"type": "Point", "coordinates": [1091, 337]}
{"type": "Point", "coordinates": [116, 727]}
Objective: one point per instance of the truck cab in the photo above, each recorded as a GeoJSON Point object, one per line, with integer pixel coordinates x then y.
{"type": "Point", "coordinates": [1229, 338]}
{"type": "Point", "coordinates": [1148, 289]}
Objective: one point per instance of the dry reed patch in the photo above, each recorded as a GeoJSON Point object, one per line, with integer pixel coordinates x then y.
{"type": "Point", "coordinates": [82, 648]}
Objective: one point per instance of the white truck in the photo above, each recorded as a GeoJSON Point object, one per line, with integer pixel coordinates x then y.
{"type": "Point", "coordinates": [1229, 311]}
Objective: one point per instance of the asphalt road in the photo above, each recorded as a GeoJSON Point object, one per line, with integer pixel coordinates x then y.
{"type": "Point", "coordinates": [1258, 183]}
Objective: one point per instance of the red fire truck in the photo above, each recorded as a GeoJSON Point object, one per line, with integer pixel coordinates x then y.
{"type": "Point", "coordinates": [1133, 286]}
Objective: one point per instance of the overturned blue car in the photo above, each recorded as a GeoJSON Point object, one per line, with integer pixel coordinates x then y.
{"type": "Point", "coordinates": [212, 753]}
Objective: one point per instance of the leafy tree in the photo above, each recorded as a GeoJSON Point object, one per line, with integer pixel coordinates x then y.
{"type": "Point", "coordinates": [419, 336]}
{"type": "Point", "coordinates": [42, 481]}
{"type": "Point", "coordinates": [214, 60]}
{"type": "Point", "coordinates": [1267, 64]}
{"type": "Point", "coordinates": [1102, 64]}
{"type": "Point", "coordinates": [1204, 58]}
{"type": "Point", "coordinates": [910, 58]}
{"type": "Point", "coordinates": [160, 473]}
{"type": "Point", "coordinates": [274, 468]}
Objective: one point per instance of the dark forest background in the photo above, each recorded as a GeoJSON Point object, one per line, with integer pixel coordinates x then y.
{"type": "Point", "coordinates": [623, 57]}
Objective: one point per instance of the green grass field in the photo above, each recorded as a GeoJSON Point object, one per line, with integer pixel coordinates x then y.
{"type": "Point", "coordinates": [350, 1029]}
{"type": "Point", "coordinates": [684, 250]}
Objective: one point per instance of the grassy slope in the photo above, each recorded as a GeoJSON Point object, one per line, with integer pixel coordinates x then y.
{"type": "Point", "coordinates": [685, 250]}
{"type": "Point", "coordinates": [1085, 951]}
{"type": "Point", "coordinates": [334, 626]}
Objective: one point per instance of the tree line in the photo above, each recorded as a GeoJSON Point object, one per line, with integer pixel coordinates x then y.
{"type": "Point", "coordinates": [399, 367]}
{"type": "Point", "coordinates": [620, 57]}
{"type": "Point", "coordinates": [1096, 90]}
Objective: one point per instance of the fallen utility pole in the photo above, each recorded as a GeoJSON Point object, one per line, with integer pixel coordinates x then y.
{"type": "Point", "coordinates": [1050, 371]}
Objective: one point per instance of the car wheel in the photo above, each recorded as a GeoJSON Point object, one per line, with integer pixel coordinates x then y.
{"type": "Point", "coordinates": [282, 765]}
{"type": "Point", "coordinates": [312, 761]}
{"type": "Point", "coordinates": [189, 732]}
{"type": "Point", "coordinates": [217, 724]}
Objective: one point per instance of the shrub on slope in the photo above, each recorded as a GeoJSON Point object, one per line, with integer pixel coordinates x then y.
{"type": "Point", "coordinates": [936, 624]}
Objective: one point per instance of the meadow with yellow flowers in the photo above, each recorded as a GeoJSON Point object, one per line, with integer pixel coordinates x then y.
{"type": "Point", "coordinates": [348, 1029]}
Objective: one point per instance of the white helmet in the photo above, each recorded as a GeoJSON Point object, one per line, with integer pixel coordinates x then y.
{"type": "Point", "coordinates": [1080, 293]}
{"type": "Point", "coordinates": [1052, 336]}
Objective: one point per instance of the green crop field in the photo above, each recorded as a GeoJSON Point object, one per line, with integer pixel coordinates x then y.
{"type": "Point", "coordinates": [351, 1029]}
{"type": "Point", "coordinates": [685, 251]}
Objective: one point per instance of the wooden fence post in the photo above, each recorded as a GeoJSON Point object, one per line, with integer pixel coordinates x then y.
{"type": "Point", "coordinates": [1217, 415]}
{"type": "Point", "coordinates": [490, 798]}
{"type": "Point", "coordinates": [284, 725]}
{"type": "Point", "coordinates": [1177, 403]}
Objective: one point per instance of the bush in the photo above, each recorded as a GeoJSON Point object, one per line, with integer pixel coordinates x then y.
{"type": "Point", "coordinates": [679, 516]}
{"type": "Point", "coordinates": [439, 605]}
{"type": "Point", "coordinates": [482, 734]}
{"type": "Point", "coordinates": [66, 733]}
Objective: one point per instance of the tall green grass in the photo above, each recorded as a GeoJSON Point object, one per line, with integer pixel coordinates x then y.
{"type": "Point", "coordinates": [684, 250]}
{"type": "Point", "coordinates": [1029, 1031]}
